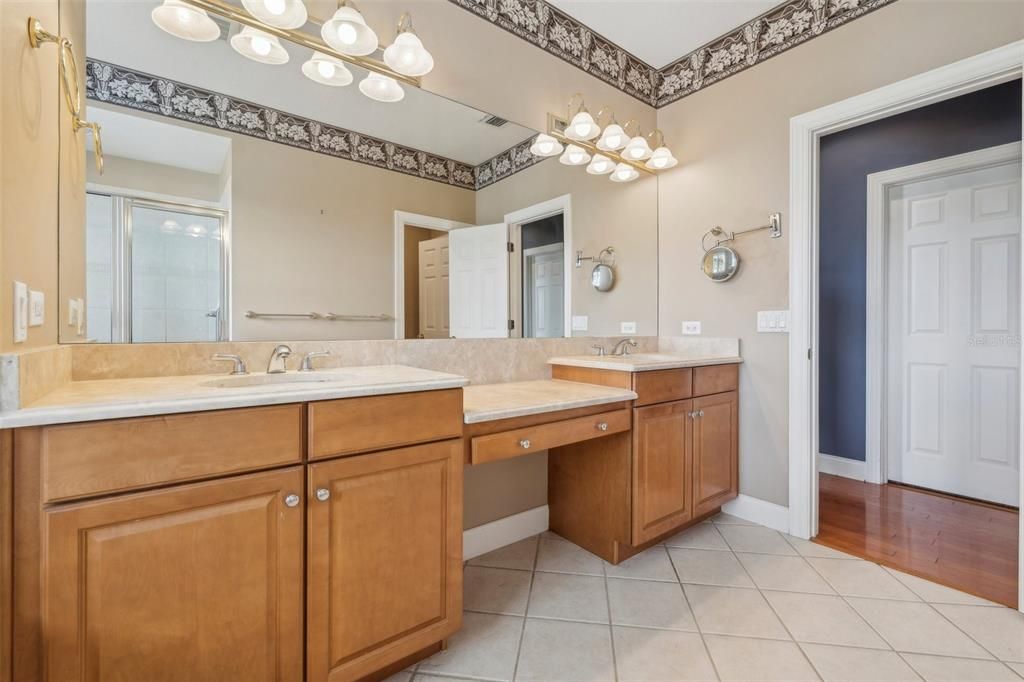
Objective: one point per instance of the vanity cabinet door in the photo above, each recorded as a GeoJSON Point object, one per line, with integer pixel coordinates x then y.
{"type": "Point", "coordinates": [715, 451]}
{"type": "Point", "coordinates": [198, 583]}
{"type": "Point", "coordinates": [661, 469]}
{"type": "Point", "coordinates": [384, 558]}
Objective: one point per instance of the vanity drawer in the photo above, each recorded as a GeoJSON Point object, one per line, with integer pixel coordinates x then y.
{"type": "Point", "coordinates": [85, 459]}
{"type": "Point", "coordinates": [715, 379]}
{"type": "Point", "coordinates": [518, 442]}
{"type": "Point", "coordinates": [662, 386]}
{"type": "Point", "coordinates": [352, 425]}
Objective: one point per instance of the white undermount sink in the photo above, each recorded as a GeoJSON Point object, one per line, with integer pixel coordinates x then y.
{"type": "Point", "coordinates": [251, 380]}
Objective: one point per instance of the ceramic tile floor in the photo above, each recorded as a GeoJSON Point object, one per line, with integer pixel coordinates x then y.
{"type": "Point", "coordinates": [724, 600]}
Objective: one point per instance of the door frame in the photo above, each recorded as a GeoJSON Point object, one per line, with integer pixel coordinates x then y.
{"type": "Point", "coordinates": [561, 204]}
{"type": "Point", "coordinates": [403, 218]}
{"type": "Point", "coordinates": [968, 75]}
{"type": "Point", "coordinates": [877, 422]}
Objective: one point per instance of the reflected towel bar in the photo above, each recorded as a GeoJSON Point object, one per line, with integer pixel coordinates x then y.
{"type": "Point", "coordinates": [330, 317]}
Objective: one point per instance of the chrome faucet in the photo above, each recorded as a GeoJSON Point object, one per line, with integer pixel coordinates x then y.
{"type": "Point", "coordinates": [623, 346]}
{"type": "Point", "coordinates": [277, 360]}
{"type": "Point", "coordinates": [598, 349]}
{"type": "Point", "coordinates": [239, 367]}
{"type": "Point", "coordinates": [307, 362]}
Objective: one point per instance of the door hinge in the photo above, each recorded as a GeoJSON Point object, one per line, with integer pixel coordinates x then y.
{"type": "Point", "coordinates": [511, 325]}
{"type": "Point", "coordinates": [511, 247]}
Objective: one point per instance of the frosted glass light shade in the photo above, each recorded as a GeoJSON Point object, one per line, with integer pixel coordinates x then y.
{"type": "Point", "coordinates": [259, 46]}
{"type": "Point", "coordinates": [574, 156]}
{"type": "Point", "coordinates": [408, 56]}
{"type": "Point", "coordinates": [544, 145]}
{"type": "Point", "coordinates": [381, 88]}
{"type": "Point", "coordinates": [327, 70]}
{"type": "Point", "coordinates": [582, 127]}
{"type": "Point", "coordinates": [661, 159]}
{"type": "Point", "coordinates": [637, 149]}
{"type": "Point", "coordinates": [347, 32]}
{"type": "Point", "coordinates": [279, 13]}
{"type": "Point", "coordinates": [624, 173]}
{"type": "Point", "coordinates": [184, 21]}
{"type": "Point", "coordinates": [600, 165]}
{"type": "Point", "coordinates": [613, 138]}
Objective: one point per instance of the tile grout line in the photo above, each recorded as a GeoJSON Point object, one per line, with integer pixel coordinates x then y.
{"type": "Point", "coordinates": [526, 611]}
{"type": "Point", "coordinates": [693, 614]}
{"type": "Point", "coordinates": [611, 625]}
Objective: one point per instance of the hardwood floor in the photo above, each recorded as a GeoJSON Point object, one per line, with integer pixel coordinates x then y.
{"type": "Point", "coordinates": [970, 546]}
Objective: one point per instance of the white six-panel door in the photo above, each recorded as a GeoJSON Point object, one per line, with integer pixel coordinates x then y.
{"type": "Point", "coordinates": [545, 292]}
{"type": "Point", "coordinates": [478, 275]}
{"type": "Point", "coordinates": [954, 332]}
{"type": "Point", "coordinates": [433, 288]}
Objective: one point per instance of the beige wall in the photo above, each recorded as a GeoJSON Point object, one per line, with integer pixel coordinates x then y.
{"type": "Point", "coordinates": [603, 214]}
{"type": "Point", "coordinates": [732, 140]}
{"type": "Point", "coordinates": [147, 178]}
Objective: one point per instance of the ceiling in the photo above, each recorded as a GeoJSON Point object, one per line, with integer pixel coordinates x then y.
{"type": "Point", "coordinates": [661, 31]}
{"type": "Point", "coordinates": [122, 33]}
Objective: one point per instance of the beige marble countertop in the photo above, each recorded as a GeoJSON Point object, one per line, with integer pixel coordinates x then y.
{"type": "Point", "coordinates": [81, 401]}
{"type": "Point", "coordinates": [488, 402]}
{"type": "Point", "coordinates": [644, 362]}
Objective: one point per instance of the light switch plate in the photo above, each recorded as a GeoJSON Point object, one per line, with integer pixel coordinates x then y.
{"type": "Point", "coordinates": [72, 312]}
{"type": "Point", "coordinates": [691, 327]}
{"type": "Point", "coordinates": [80, 327]}
{"type": "Point", "coordinates": [20, 312]}
{"type": "Point", "coordinates": [36, 308]}
{"type": "Point", "coordinates": [628, 328]}
{"type": "Point", "coordinates": [580, 323]}
{"type": "Point", "coordinates": [773, 321]}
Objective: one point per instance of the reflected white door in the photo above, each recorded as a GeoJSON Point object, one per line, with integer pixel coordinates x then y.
{"type": "Point", "coordinates": [479, 281]}
{"type": "Point", "coordinates": [953, 333]}
{"type": "Point", "coordinates": [433, 287]}
{"type": "Point", "coordinates": [544, 293]}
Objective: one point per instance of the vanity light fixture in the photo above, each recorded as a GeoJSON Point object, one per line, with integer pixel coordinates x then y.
{"type": "Point", "coordinates": [661, 159]}
{"type": "Point", "coordinates": [327, 70]}
{"type": "Point", "coordinates": [582, 126]}
{"type": "Point", "coordinates": [638, 149]}
{"type": "Point", "coordinates": [624, 173]}
{"type": "Point", "coordinates": [182, 20]}
{"type": "Point", "coordinates": [381, 88]}
{"type": "Point", "coordinates": [348, 32]}
{"type": "Point", "coordinates": [259, 46]}
{"type": "Point", "coordinates": [600, 165]}
{"type": "Point", "coordinates": [407, 54]}
{"type": "Point", "coordinates": [545, 145]}
{"type": "Point", "coordinates": [574, 155]}
{"type": "Point", "coordinates": [613, 138]}
{"type": "Point", "coordinates": [279, 13]}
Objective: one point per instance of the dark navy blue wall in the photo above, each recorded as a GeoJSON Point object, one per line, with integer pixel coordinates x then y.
{"type": "Point", "coordinates": [981, 119]}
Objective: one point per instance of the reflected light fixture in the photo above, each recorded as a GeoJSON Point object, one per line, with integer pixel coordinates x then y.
{"type": "Point", "coordinates": [348, 33]}
{"type": "Point", "coordinates": [259, 46]}
{"type": "Point", "coordinates": [574, 155]}
{"type": "Point", "coordinates": [327, 70]}
{"type": "Point", "coordinates": [613, 138]}
{"type": "Point", "coordinates": [582, 127]}
{"type": "Point", "coordinates": [407, 54]}
{"type": "Point", "coordinates": [185, 21]}
{"type": "Point", "coordinates": [661, 159]}
{"type": "Point", "coordinates": [545, 145]}
{"type": "Point", "coordinates": [170, 227]}
{"type": "Point", "coordinates": [278, 13]}
{"type": "Point", "coordinates": [637, 149]}
{"type": "Point", "coordinates": [600, 165]}
{"type": "Point", "coordinates": [624, 173]}
{"type": "Point", "coordinates": [381, 88]}
{"type": "Point", "coordinates": [195, 230]}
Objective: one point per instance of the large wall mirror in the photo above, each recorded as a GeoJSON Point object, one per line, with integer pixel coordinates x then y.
{"type": "Point", "coordinates": [245, 201]}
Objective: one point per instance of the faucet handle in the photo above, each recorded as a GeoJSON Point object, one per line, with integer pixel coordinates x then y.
{"type": "Point", "coordinates": [599, 349]}
{"type": "Point", "coordinates": [307, 362]}
{"type": "Point", "coordinates": [231, 357]}
{"type": "Point", "coordinates": [631, 343]}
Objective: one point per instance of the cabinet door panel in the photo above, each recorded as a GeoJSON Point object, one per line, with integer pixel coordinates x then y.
{"type": "Point", "coordinates": [661, 469]}
{"type": "Point", "coordinates": [715, 451]}
{"type": "Point", "coordinates": [385, 558]}
{"type": "Point", "coordinates": [196, 583]}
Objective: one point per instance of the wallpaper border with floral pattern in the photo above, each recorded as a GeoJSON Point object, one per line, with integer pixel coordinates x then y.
{"type": "Point", "coordinates": [110, 83]}
{"type": "Point", "coordinates": [781, 28]}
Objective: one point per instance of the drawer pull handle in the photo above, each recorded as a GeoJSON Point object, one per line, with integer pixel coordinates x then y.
{"type": "Point", "coordinates": [292, 500]}
{"type": "Point", "coordinates": [602, 426]}
{"type": "Point", "coordinates": [323, 494]}
{"type": "Point", "coordinates": [524, 444]}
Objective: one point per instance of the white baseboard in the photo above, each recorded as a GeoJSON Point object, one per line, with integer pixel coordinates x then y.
{"type": "Point", "coordinates": [759, 511]}
{"type": "Point", "coordinates": [841, 466]}
{"type": "Point", "coordinates": [496, 534]}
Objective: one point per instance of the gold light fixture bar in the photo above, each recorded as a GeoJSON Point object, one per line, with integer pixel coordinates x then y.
{"type": "Point", "coordinates": [238, 15]}
{"type": "Point", "coordinates": [556, 129]}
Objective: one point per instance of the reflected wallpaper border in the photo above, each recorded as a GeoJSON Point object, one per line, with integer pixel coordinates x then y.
{"type": "Point", "coordinates": [777, 30]}
{"type": "Point", "coordinates": [123, 86]}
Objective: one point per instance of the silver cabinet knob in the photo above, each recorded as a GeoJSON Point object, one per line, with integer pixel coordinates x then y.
{"type": "Point", "coordinates": [292, 500]}
{"type": "Point", "coordinates": [603, 426]}
{"type": "Point", "coordinates": [700, 413]}
{"type": "Point", "coordinates": [323, 494]}
{"type": "Point", "coordinates": [524, 444]}
{"type": "Point", "coordinates": [693, 415]}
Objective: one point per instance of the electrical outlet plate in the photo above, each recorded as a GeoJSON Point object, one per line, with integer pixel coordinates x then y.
{"type": "Point", "coordinates": [628, 328]}
{"type": "Point", "coordinates": [72, 312]}
{"type": "Point", "coordinates": [580, 323]}
{"type": "Point", "coordinates": [20, 312]}
{"type": "Point", "coordinates": [36, 308]}
{"type": "Point", "coordinates": [80, 327]}
{"type": "Point", "coordinates": [691, 327]}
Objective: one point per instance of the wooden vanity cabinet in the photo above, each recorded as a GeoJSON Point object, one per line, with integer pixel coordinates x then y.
{"type": "Point", "coordinates": [662, 487]}
{"type": "Point", "coordinates": [715, 451]}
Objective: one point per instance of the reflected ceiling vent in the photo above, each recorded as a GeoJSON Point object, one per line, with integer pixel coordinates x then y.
{"type": "Point", "coordinates": [492, 120]}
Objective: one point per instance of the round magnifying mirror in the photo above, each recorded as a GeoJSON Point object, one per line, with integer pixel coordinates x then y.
{"type": "Point", "coordinates": [721, 263]}
{"type": "Point", "coordinates": [603, 277]}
